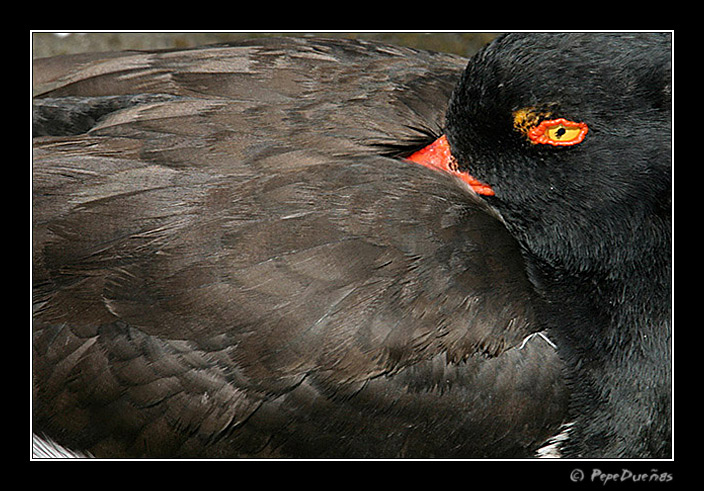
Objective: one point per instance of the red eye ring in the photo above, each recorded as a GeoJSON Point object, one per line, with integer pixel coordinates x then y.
{"type": "Point", "coordinates": [545, 133]}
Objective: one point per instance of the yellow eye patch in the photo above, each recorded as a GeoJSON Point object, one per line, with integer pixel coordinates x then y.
{"type": "Point", "coordinates": [540, 128]}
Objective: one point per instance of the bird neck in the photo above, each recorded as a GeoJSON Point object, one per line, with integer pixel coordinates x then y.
{"type": "Point", "coordinates": [612, 327]}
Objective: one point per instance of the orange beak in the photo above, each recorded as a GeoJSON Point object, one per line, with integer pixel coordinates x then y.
{"type": "Point", "coordinates": [437, 156]}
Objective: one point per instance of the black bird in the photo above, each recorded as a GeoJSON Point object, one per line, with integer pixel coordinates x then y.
{"type": "Point", "coordinates": [236, 253]}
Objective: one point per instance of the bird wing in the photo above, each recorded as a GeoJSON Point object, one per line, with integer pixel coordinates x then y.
{"type": "Point", "coordinates": [215, 254]}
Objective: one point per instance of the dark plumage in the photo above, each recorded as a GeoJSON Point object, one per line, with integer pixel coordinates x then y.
{"type": "Point", "coordinates": [232, 257]}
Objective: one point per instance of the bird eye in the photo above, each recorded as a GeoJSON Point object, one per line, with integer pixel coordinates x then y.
{"type": "Point", "coordinates": [558, 132]}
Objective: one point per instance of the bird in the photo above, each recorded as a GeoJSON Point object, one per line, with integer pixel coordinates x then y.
{"type": "Point", "coordinates": [311, 248]}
